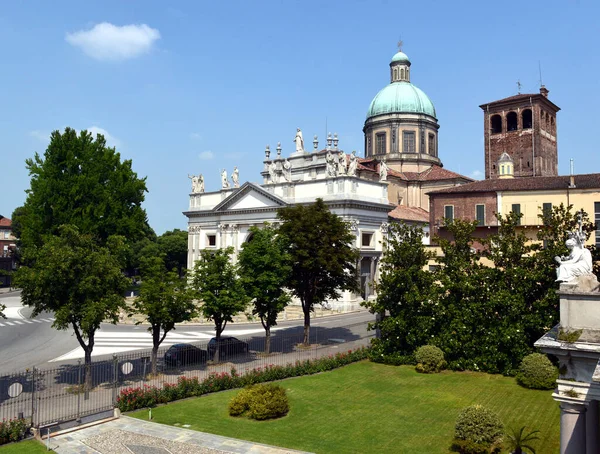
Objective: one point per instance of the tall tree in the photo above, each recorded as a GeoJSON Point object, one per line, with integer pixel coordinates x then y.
{"type": "Point", "coordinates": [82, 182]}
{"type": "Point", "coordinates": [78, 280]}
{"type": "Point", "coordinates": [174, 244]}
{"type": "Point", "coordinates": [323, 260]}
{"type": "Point", "coordinates": [403, 292]}
{"type": "Point", "coordinates": [164, 301]}
{"type": "Point", "coordinates": [218, 287]}
{"type": "Point", "coordinates": [264, 270]}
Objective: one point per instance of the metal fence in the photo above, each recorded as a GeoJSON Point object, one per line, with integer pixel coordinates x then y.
{"type": "Point", "coordinates": [49, 396]}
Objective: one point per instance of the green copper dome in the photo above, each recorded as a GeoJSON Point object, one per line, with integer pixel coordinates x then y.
{"type": "Point", "coordinates": [400, 57]}
{"type": "Point", "coordinates": [401, 97]}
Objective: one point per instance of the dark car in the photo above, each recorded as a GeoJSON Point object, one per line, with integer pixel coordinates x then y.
{"type": "Point", "coordinates": [184, 354]}
{"type": "Point", "coordinates": [228, 346]}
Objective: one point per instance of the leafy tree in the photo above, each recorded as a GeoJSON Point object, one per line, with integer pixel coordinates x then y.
{"type": "Point", "coordinates": [216, 283]}
{"type": "Point", "coordinates": [82, 182]}
{"type": "Point", "coordinates": [174, 244]}
{"type": "Point", "coordinates": [323, 260]}
{"type": "Point", "coordinates": [403, 292]}
{"type": "Point", "coordinates": [77, 279]}
{"type": "Point", "coordinates": [264, 269]}
{"type": "Point", "coordinates": [164, 301]}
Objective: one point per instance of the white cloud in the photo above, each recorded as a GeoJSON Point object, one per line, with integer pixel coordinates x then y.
{"type": "Point", "coordinates": [111, 141]}
{"type": "Point", "coordinates": [206, 155]}
{"type": "Point", "coordinates": [195, 136]}
{"type": "Point", "coordinates": [476, 174]}
{"type": "Point", "coordinates": [112, 42]}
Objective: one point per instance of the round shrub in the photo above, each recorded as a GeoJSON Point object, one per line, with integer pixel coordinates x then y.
{"type": "Point", "coordinates": [260, 402]}
{"type": "Point", "coordinates": [430, 359]}
{"type": "Point", "coordinates": [477, 430]}
{"type": "Point", "coordinates": [537, 372]}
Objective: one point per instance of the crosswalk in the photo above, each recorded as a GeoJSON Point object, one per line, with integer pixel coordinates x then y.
{"type": "Point", "coordinates": [109, 342]}
{"type": "Point", "coordinates": [14, 318]}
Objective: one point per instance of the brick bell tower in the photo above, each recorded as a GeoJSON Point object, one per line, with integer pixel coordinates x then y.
{"type": "Point", "coordinates": [524, 127]}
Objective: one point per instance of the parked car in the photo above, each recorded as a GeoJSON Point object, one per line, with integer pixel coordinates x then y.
{"type": "Point", "coordinates": [184, 354]}
{"type": "Point", "coordinates": [228, 346]}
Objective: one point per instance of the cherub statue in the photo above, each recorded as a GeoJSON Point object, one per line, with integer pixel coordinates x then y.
{"type": "Point", "coordinates": [579, 260]}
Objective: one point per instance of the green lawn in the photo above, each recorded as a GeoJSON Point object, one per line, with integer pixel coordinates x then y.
{"type": "Point", "coordinates": [27, 447]}
{"type": "Point", "coordinates": [373, 408]}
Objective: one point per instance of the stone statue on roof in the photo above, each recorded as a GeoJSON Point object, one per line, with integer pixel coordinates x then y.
{"type": "Point", "coordinates": [273, 172]}
{"type": "Point", "coordinates": [287, 170]}
{"type": "Point", "coordinates": [197, 183]}
{"type": "Point", "coordinates": [331, 167]}
{"type": "Point", "coordinates": [353, 164]}
{"type": "Point", "coordinates": [341, 168]}
{"type": "Point", "coordinates": [235, 177]}
{"type": "Point", "coordinates": [383, 171]}
{"type": "Point", "coordinates": [224, 182]}
{"type": "Point", "coordinates": [299, 141]}
{"type": "Point", "coordinates": [578, 264]}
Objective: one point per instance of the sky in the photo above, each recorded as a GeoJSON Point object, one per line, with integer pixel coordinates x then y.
{"type": "Point", "coordinates": [192, 87]}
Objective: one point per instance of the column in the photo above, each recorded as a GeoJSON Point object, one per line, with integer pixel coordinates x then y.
{"type": "Point", "coordinates": [372, 277]}
{"type": "Point", "coordinates": [591, 426]}
{"type": "Point", "coordinates": [572, 428]}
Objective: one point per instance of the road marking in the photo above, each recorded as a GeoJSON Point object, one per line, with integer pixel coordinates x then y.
{"type": "Point", "coordinates": [18, 322]}
{"type": "Point", "coordinates": [28, 321]}
{"type": "Point", "coordinates": [36, 321]}
{"type": "Point", "coordinates": [13, 313]}
{"type": "Point", "coordinates": [9, 323]}
{"type": "Point", "coordinates": [46, 320]}
{"type": "Point", "coordinates": [1, 324]}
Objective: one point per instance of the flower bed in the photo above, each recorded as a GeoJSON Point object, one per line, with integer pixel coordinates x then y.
{"type": "Point", "coordinates": [150, 396]}
{"type": "Point", "coordinates": [13, 430]}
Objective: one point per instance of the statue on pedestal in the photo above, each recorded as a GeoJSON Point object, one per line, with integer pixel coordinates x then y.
{"type": "Point", "coordinates": [579, 261]}
{"type": "Point", "coordinates": [273, 172]}
{"type": "Point", "coordinates": [224, 182]}
{"type": "Point", "coordinates": [331, 167]}
{"type": "Point", "coordinates": [383, 171]}
{"type": "Point", "coordinates": [341, 170]}
{"type": "Point", "coordinates": [235, 177]}
{"type": "Point", "coordinates": [197, 183]}
{"type": "Point", "coordinates": [353, 164]}
{"type": "Point", "coordinates": [299, 141]}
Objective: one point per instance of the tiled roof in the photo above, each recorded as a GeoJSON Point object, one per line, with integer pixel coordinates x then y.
{"type": "Point", "coordinates": [585, 181]}
{"type": "Point", "coordinates": [4, 222]}
{"type": "Point", "coordinates": [404, 213]}
{"type": "Point", "coordinates": [434, 173]}
{"type": "Point", "coordinates": [520, 96]}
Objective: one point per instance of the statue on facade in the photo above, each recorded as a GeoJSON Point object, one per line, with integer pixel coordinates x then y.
{"type": "Point", "coordinates": [341, 170]}
{"type": "Point", "coordinates": [299, 141]}
{"type": "Point", "coordinates": [235, 177]}
{"type": "Point", "coordinates": [224, 182]}
{"type": "Point", "coordinates": [287, 170]}
{"type": "Point", "coordinates": [197, 183]}
{"type": "Point", "coordinates": [579, 261]}
{"type": "Point", "coordinates": [273, 172]}
{"type": "Point", "coordinates": [331, 167]}
{"type": "Point", "coordinates": [353, 164]}
{"type": "Point", "coordinates": [383, 171]}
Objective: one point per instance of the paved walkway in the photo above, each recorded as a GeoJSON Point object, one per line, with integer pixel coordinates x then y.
{"type": "Point", "coordinates": [130, 435]}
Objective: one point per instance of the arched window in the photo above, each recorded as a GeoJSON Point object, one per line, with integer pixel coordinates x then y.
{"type": "Point", "coordinates": [395, 74]}
{"type": "Point", "coordinates": [496, 124]}
{"type": "Point", "coordinates": [511, 121]}
{"type": "Point", "coordinates": [402, 74]}
{"type": "Point", "coordinates": [527, 119]}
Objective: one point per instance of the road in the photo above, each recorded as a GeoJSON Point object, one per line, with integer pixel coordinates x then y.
{"type": "Point", "coordinates": [30, 342]}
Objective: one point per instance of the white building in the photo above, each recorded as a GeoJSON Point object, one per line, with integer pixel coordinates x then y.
{"type": "Point", "coordinates": [222, 218]}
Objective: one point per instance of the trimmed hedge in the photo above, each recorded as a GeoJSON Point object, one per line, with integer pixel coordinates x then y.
{"type": "Point", "coordinates": [537, 372]}
{"type": "Point", "coordinates": [478, 430]}
{"type": "Point", "coordinates": [430, 359]}
{"type": "Point", "coordinates": [260, 402]}
{"type": "Point", "coordinates": [149, 396]}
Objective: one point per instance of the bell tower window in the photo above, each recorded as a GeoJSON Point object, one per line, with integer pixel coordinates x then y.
{"type": "Point", "coordinates": [511, 121]}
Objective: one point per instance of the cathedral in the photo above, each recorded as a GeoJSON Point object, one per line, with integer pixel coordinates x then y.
{"type": "Point", "coordinates": [390, 183]}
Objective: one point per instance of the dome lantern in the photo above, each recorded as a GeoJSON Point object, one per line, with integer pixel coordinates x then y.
{"type": "Point", "coordinates": [400, 68]}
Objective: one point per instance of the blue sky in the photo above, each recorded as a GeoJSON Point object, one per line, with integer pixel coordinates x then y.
{"type": "Point", "coordinates": [193, 87]}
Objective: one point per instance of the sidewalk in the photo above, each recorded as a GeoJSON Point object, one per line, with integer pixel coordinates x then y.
{"type": "Point", "coordinates": [126, 435]}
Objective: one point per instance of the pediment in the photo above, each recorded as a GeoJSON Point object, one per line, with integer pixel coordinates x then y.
{"type": "Point", "coordinates": [250, 196]}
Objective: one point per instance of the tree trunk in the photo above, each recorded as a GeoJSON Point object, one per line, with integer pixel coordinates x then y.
{"type": "Point", "coordinates": [218, 331]}
{"type": "Point", "coordinates": [88, 382]}
{"type": "Point", "coordinates": [267, 340]}
{"type": "Point", "coordinates": [154, 358]}
{"type": "Point", "coordinates": [306, 327]}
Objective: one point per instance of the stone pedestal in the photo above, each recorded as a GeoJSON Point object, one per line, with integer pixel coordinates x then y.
{"type": "Point", "coordinates": [572, 428]}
